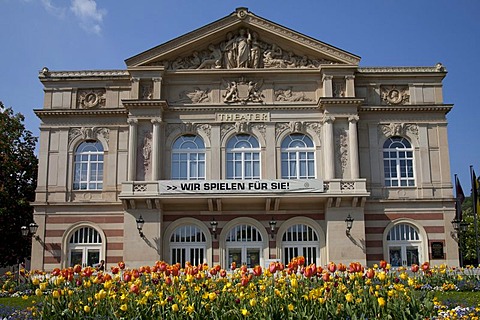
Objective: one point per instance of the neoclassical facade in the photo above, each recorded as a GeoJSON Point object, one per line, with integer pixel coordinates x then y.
{"type": "Point", "coordinates": [243, 141]}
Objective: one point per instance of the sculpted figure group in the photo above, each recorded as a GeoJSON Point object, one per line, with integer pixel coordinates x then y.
{"type": "Point", "coordinates": [243, 49]}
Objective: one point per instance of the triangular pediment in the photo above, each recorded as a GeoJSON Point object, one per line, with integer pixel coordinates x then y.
{"type": "Point", "coordinates": [242, 40]}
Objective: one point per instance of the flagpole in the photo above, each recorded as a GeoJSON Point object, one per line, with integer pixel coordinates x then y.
{"type": "Point", "coordinates": [475, 200]}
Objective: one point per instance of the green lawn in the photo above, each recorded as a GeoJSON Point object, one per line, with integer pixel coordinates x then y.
{"type": "Point", "coordinates": [464, 299]}
{"type": "Point", "coordinates": [18, 303]}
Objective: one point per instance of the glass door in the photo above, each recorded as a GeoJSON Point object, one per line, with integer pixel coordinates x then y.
{"type": "Point", "coordinates": [84, 256]}
{"type": "Point", "coordinates": [403, 255]}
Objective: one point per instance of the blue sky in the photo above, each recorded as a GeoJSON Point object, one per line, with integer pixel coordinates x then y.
{"type": "Point", "coordinates": [101, 34]}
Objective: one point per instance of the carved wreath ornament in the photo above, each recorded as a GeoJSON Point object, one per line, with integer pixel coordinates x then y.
{"type": "Point", "coordinates": [242, 91]}
{"type": "Point", "coordinates": [91, 98]}
{"type": "Point", "coordinates": [394, 96]}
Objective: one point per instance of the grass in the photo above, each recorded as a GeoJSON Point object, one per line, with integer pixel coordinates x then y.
{"type": "Point", "coordinates": [17, 302]}
{"type": "Point", "coordinates": [464, 299]}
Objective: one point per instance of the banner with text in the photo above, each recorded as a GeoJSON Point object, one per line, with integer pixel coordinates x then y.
{"type": "Point", "coordinates": [240, 186]}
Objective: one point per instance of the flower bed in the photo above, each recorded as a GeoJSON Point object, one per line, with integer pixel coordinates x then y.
{"type": "Point", "coordinates": [294, 291]}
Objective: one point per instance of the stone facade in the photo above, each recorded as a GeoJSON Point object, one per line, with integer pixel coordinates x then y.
{"type": "Point", "coordinates": [109, 155]}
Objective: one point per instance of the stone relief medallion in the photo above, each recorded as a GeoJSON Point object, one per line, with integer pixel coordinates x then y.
{"type": "Point", "coordinates": [242, 91]}
{"type": "Point", "coordinates": [395, 96]}
{"type": "Point", "coordinates": [91, 98]}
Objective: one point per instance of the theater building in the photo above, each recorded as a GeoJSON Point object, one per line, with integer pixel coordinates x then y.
{"type": "Point", "coordinates": [243, 141]}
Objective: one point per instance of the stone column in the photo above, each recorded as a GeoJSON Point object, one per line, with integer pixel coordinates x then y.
{"type": "Point", "coordinates": [155, 147]}
{"type": "Point", "coordinates": [327, 86]}
{"type": "Point", "coordinates": [353, 146]}
{"type": "Point", "coordinates": [329, 149]}
{"type": "Point", "coordinates": [132, 149]}
{"type": "Point", "coordinates": [350, 86]}
{"type": "Point", "coordinates": [157, 88]}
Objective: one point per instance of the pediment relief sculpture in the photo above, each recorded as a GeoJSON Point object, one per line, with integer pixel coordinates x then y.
{"type": "Point", "coordinates": [242, 91]}
{"type": "Point", "coordinates": [91, 98]}
{"type": "Point", "coordinates": [240, 50]}
{"type": "Point", "coordinates": [395, 96]}
{"type": "Point", "coordinates": [288, 95]}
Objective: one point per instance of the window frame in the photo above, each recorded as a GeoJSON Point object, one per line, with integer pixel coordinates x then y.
{"type": "Point", "coordinates": [293, 156]}
{"type": "Point", "coordinates": [236, 161]}
{"type": "Point", "coordinates": [187, 161]}
{"type": "Point", "coordinates": [398, 163]}
{"type": "Point", "coordinates": [79, 162]}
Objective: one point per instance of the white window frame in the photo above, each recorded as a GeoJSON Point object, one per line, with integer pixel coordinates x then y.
{"type": "Point", "coordinates": [188, 238]}
{"type": "Point", "coordinates": [398, 163]}
{"type": "Point", "coordinates": [300, 240]}
{"type": "Point", "coordinates": [243, 149]}
{"type": "Point", "coordinates": [88, 166]}
{"type": "Point", "coordinates": [293, 148]}
{"type": "Point", "coordinates": [190, 150]}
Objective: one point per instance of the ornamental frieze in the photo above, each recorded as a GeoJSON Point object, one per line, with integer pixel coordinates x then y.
{"type": "Point", "coordinates": [393, 95]}
{"type": "Point", "coordinates": [243, 49]}
{"type": "Point", "coordinates": [342, 150]}
{"type": "Point", "coordinates": [399, 129]}
{"type": "Point", "coordinates": [91, 98]}
{"type": "Point", "coordinates": [197, 95]}
{"type": "Point", "coordinates": [88, 133]}
{"type": "Point", "coordinates": [288, 95]}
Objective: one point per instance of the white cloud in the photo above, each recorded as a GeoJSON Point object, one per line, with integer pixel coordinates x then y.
{"type": "Point", "coordinates": [89, 15]}
{"type": "Point", "coordinates": [51, 8]}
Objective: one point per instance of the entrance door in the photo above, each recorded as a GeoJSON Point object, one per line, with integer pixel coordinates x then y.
{"type": "Point", "coordinates": [404, 245]}
{"type": "Point", "coordinates": [244, 246]}
{"type": "Point", "coordinates": [244, 255]}
{"type": "Point", "coordinates": [85, 247]}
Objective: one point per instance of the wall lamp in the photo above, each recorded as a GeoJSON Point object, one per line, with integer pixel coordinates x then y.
{"type": "Point", "coordinates": [349, 221]}
{"type": "Point", "coordinates": [459, 225]}
{"type": "Point", "coordinates": [30, 230]}
{"type": "Point", "coordinates": [214, 225]}
{"type": "Point", "coordinates": [140, 223]}
{"type": "Point", "coordinates": [272, 224]}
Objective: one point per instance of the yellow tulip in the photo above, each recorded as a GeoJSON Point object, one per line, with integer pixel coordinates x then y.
{"type": "Point", "coordinates": [349, 297]}
{"type": "Point", "coordinates": [190, 309]}
{"type": "Point", "coordinates": [381, 301]}
{"type": "Point", "coordinates": [123, 307]}
{"type": "Point", "coordinates": [253, 302]}
{"type": "Point", "coordinates": [290, 307]}
{"type": "Point", "coordinates": [175, 308]}
{"type": "Point", "coordinates": [86, 309]}
{"type": "Point", "coordinates": [38, 292]}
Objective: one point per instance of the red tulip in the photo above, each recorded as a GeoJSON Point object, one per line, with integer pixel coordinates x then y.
{"type": "Point", "coordinates": [370, 273]}
{"type": "Point", "coordinates": [383, 264]}
{"type": "Point", "coordinates": [272, 267]}
{"type": "Point", "coordinates": [332, 267]}
{"type": "Point", "coordinates": [415, 268]}
{"type": "Point", "coordinates": [121, 265]}
{"type": "Point", "coordinates": [257, 270]}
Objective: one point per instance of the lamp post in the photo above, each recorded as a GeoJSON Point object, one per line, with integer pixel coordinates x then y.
{"type": "Point", "coordinates": [140, 223]}
{"type": "Point", "coordinates": [349, 221]}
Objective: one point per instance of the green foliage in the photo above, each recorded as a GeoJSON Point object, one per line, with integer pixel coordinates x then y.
{"type": "Point", "coordinates": [18, 180]}
{"type": "Point", "coordinates": [458, 298]}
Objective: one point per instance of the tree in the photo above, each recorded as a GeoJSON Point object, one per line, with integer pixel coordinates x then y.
{"type": "Point", "coordinates": [468, 237]}
{"type": "Point", "coordinates": [18, 180]}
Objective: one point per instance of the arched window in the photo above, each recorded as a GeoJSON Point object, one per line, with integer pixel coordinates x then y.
{"type": "Point", "coordinates": [85, 247]}
{"type": "Point", "coordinates": [298, 157]}
{"type": "Point", "coordinates": [88, 166]}
{"type": "Point", "coordinates": [244, 245]}
{"type": "Point", "coordinates": [404, 245]}
{"type": "Point", "coordinates": [300, 240]}
{"type": "Point", "coordinates": [243, 157]}
{"type": "Point", "coordinates": [398, 162]}
{"type": "Point", "coordinates": [188, 244]}
{"type": "Point", "coordinates": [188, 158]}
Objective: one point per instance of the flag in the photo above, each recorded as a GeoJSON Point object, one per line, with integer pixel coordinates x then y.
{"type": "Point", "coordinates": [475, 186]}
{"type": "Point", "coordinates": [460, 197]}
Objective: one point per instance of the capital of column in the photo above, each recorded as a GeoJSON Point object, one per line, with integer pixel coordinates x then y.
{"type": "Point", "coordinates": [157, 79]}
{"type": "Point", "coordinates": [156, 121]}
{"type": "Point", "coordinates": [132, 121]}
{"type": "Point", "coordinates": [353, 119]}
{"type": "Point", "coordinates": [327, 77]}
{"type": "Point", "coordinates": [350, 77]}
{"type": "Point", "coordinates": [328, 119]}
{"type": "Point", "coordinates": [135, 79]}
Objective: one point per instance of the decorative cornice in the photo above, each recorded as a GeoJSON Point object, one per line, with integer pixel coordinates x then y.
{"type": "Point", "coordinates": [99, 112]}
{"type": "Point", "coordinates": [145, 103]}
{"type": "Point", "coordinates": [412, 108]}
{"type": "Point", "coordinates": [436, 69]}
{"type": "Point", "coordinates": [330, 101]}
{"type": "Point", "coordinates": [238, 108]}
{"type": "Point", "coordinates": [84, 74]}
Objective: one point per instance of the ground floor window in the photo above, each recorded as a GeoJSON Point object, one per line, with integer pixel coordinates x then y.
{"type": "Point", "coordinates": [85, 247]}
{"type": "Point", "coordinates": [300, 240]}
{"type": "Point", "coordinates": [404, 245]}
{"type": "Point", "coordinates": [244, 246]}
{"type": "Point", "coordinates": [188, 243]}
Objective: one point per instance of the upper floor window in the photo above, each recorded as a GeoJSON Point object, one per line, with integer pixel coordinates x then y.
{"type": "Point", "coordinates": [243, 157]}
{"type": "Point", "coordinates": [398, 162]}
{"type": "Point", "coordinates": [188, 158]}
{"type": "Point", "coordinates": [298, 157]}
{"type": "Point", "coordinates": [88, 166]}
